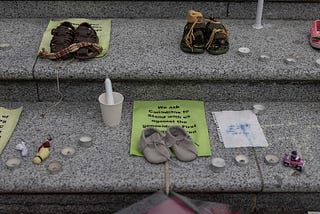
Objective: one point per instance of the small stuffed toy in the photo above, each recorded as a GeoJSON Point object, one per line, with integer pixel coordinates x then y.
{"type": "Point", "coordinates": [43, 152]}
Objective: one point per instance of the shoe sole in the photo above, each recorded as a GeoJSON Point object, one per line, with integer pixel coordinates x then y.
{"type": "Point", "coordinates": [314, 45]}
{"type": "Point", "coordinates": [194, 50]}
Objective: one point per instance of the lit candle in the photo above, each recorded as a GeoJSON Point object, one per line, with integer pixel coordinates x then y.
{"type": "Point", "coordinates": [109, 96]}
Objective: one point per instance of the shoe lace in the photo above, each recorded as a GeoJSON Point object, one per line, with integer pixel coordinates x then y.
{"type": "Point", "coordinates": [214, 31]}
{"type": "Point", "coordinates": [190, 35]}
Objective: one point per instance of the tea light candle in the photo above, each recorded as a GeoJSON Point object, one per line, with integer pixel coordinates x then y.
{"type": "Point", "coordinates": [258, 108]}
{"type": "Point", "coordinates": [68, 151]}
{"type": "Point", "coordinates": [4, 45]}
{"type": "Point", "coordinates": [13, 163]}
{"type": "Point", "coordinates": [318, 63]}
{"type": "Point", "coordinates": [218, 164]}
{"type": "Point", "coordinates": [271, 159]}
{"type": "Point", "coordinates": [85, 141]}
{"type": "Point", "coordinates": [290, 61]}
{"type": "Point", "coordinates": [264, 57]}
{"type": "Point", "coordinates": [244, 51]}
{"type": "Point", "coordinates": [54, 167]}
{"type": "Point", "coordinates": [242, 160]}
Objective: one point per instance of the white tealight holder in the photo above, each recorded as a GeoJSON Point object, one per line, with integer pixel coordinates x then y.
{"type": "Point", "coordinates": [271, 159]}
{"type": "Point", "coordinates": [68, 151]}
{"type": "Point", "coordinates": [258, 109]}
{"type": "Point", "coordinates": [244, 51]}
{"type": "Point", "coordinates": [264, 57]}
{"type": "Point", "coordinates": [290, 61]}
{"type": "Point", "coordinates": [271, 39]}
{"type": "Point", "coordinates": [4, 45]}
{"type": "Point", "coordinates": [218, 164]}
{"type": "Point", "coordinates": [242, 160]}
{"type": "Point", "coordinates": [85, 141]}
{"type": "Point", "coordinates": [13, 163]}
{"type": "Point", "coordinates": [318, 63]}
{"type": "Point", "coordinates": [54, 167]}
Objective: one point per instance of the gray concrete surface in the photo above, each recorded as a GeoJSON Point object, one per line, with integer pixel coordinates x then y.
{"type": "Point", "coordinates": [106, 167]}
{"type": "Point", "coordinates": [149, 49]}
{"type": "Point", "coordinates": [283, 9]}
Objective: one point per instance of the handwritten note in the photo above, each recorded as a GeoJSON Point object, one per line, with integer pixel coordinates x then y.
{"type": "Point", "coordinates": [239, 129]}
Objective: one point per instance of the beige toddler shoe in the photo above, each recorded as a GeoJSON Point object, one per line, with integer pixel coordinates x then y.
{"type": "Point", "coordinates": [181, 143]}
{"type": "Point", "coordinates": [153, 147]}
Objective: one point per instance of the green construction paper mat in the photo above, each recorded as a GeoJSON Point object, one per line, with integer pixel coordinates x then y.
{"type": "Point", "coordinates": [8, 121]}
{"type": "Point", "coordinates": [101, 26]}
{"type": "Point", "coordinates": [188, 114]}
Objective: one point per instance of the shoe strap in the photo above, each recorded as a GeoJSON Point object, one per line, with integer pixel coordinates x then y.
{"type": "Point", "coordinates": [72, 48]}
{"type": "Point", "coordinates": [215, 31]}
{"type": "Point", "coordinates": [189, 37]}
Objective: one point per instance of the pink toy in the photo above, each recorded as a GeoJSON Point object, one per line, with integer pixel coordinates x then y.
{"type": "Point", "coordinates": [315, 34]}
{"type": "Point", "coordinates": [289, 161]}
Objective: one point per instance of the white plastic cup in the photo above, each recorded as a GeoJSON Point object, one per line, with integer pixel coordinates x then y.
{"type": "Point", "coordinates": [111, 113]}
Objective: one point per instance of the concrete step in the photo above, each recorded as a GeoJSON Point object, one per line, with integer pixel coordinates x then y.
{"type": "Point", "coordinates": [274, 9]}
{"type": "Point", "coordinates": [144, 58]}
{"type": "Point", "coordinates": [106, 168]}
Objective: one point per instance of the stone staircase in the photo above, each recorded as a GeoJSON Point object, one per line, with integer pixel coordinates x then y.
{"type": "Point", "coordinates": [145, 63]}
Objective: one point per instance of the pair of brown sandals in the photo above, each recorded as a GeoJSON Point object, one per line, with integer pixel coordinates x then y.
{"type": "Point", "coordinates": [68, 41]}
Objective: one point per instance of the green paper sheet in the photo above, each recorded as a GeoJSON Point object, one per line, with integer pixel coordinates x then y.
{"type": "Point", "coordinates": [8, 121]}
{"type": "Point", "coordinates": [102, 27]}
{"type": "Point", "coordinates": [188, 114]}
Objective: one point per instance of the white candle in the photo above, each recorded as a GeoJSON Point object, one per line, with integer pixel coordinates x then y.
{"type": "Point", "coordinates": [218, 164]}
{"type": "Point", "coordinates": [242, 160]}
{"type": "Point", "coordinates": [258, 24]}
{"type": "Point", "coordinates": [109, 96]}
{"type": "Point", "coordinates": [13, 163]}
{"type": "Point", "coordinates": [271, 159]}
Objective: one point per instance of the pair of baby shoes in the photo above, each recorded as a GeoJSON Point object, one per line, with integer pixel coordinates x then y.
{"type": "Point", "coordinates": [156, 147]}
{"type": "Point", "coordinates": [68, 41]}
{"type": "Point", "coordinates": [200, 35]}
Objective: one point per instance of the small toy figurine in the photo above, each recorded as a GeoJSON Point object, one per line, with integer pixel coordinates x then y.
{"type": "Point", "coordinates": [293, 161]}
{"type": "Point", "coordinates": [43, 152]}
{"type": "Point", "coordinates": [22, 148]}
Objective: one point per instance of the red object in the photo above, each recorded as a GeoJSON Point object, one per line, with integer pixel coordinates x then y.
{"type": "Point", "coordinates": [171, 206]}
{"type": "Point", "coordinates": [45, 145]}
{"type": "Point", "coordinates": [315, 34]}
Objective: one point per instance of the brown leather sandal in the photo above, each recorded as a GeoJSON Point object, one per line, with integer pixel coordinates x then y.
{"type": "Point", "coordinates": [62, 38]}
{"type": "Point", "coordinates": [85, 33]}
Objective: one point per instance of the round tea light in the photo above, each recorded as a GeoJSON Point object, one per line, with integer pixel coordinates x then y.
{"type": "Point", "coordinates": [68, 151]}
{"type": "Point", "coordinates": [318, 63]}
{"type": "Point", "coordinates": [271, 39]}
{"type": "Point", "coordinates": [85, 141]}
{"type": "Point", "coordinates": [258, 108]}
{"type": "Point", "coordinates": [264, 57]}
{"type": "Point", "coordinates": [13, 163]}
{"type": "Point", "coordinates": [54, 167]}
{"type": "Point", "coordinates": [218, 164]}
{"type": "Point", "coordinates": [271, 159]}
{"type": "Point", "coordinates": [4, 45]}
{"type": "Point", "coordinates": [242, 160]}
{"type": "Point", "coordinates": [244, 51]}
{"type": "Point", "coordinates": [290, 61]}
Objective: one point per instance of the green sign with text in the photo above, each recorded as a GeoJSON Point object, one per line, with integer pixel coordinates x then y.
{"type": "Point", "coordinates": [188, 114]}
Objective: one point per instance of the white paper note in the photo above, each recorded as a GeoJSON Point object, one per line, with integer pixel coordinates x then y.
{"type": "Point", "coordinates": [239, 129]}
